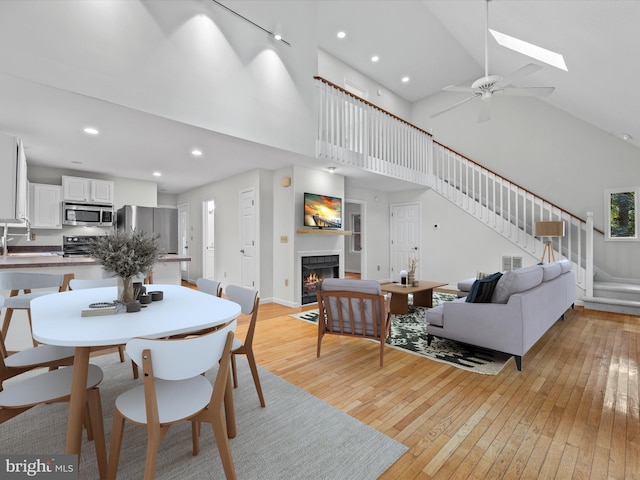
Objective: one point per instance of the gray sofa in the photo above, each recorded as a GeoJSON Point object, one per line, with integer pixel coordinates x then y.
{"type": "Point", "coordinates": [524, 305]}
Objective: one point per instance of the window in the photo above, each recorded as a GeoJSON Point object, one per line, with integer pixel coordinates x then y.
{"type": "Point", "coordinates": [620, 206]}
{"type": "Point", "coordinates": [356, 236]}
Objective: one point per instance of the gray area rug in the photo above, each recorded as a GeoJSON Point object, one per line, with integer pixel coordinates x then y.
{"type": "Point", "coordinates": [408, 333]}
{"type": "Point", "coordinates": [297, 436]}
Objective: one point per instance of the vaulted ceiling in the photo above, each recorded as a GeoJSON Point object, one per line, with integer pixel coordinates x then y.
{"type": "Point", "coordinates": [434, 42]}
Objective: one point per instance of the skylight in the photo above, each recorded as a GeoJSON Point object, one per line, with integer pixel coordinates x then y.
{"type": "Point", "coordinates": [547, 56]}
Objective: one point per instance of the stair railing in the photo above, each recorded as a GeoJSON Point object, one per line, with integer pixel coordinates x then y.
{"type": "Point", "coordinates": [356, 133]}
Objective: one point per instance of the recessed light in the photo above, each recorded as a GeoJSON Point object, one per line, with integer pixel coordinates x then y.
{"type": "Point", "coordinates": [530, 50]}
{"type": "Point", "coordinates": [375, 58]}
{"type": "Point", "coordinates": [157, 174]}
{"type": "Point", "coordinates": [196, 153]}
{"type": "Point", "coordinates": [91, 131]}
{"type": "Point", "coordinates": [405, 79]}
{"type": "Point", "coordinates": [331, 169]}
{"type": "Point", "coordinates": [626, 136]}
{"type": "Point", "coordinates": [341, 35]}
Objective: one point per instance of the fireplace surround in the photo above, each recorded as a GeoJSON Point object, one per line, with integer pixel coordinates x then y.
{"type": "Point", "coordinates": [316, 268]}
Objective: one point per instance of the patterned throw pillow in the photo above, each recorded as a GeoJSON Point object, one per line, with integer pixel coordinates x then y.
{"type": "Point", "coordinates": [482, 290]}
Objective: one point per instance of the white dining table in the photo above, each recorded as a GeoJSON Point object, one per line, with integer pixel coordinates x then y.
{"type": "Point", "coordinates": [57, 320]}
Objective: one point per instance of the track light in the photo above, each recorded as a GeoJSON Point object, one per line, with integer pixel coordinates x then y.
{"type": "Point", "coordinates": [277, 35]}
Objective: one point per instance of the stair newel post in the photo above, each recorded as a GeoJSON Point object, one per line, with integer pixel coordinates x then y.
{"type": "Point", "coordinates": [589, 255]}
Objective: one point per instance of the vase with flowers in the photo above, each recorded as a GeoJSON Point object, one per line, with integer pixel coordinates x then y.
{"type": "Point", "coordinates": [411, 275]}
{"type": "Point", "coordinates": [126, 255]}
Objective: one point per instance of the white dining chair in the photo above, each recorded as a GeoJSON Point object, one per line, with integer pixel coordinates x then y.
{"type": "Point", "coordinates": [55, 386]}
{"type": "Point", "coordinates": [212, 287]}
{"type": "Point", "coordinates": [249, 302]}
{"type": "Point", "coordinates": [48, 356]}
{"type": "Point", "coordinates": [25, 282]}
{"type": "Point", "coordinates": [175, 390]}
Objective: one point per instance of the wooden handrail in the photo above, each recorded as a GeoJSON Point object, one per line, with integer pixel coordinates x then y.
{"type": "Point", "coordinates": [448, 148]}
{"type": "Point", "coordinates": [371, 105]}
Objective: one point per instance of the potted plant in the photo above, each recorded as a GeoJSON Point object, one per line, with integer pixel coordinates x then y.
{"type": "Point", "coordinates": [126, 255]}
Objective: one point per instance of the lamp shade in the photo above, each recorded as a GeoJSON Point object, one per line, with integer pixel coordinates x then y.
{"type": "Point", "coordinates": [550, 229]}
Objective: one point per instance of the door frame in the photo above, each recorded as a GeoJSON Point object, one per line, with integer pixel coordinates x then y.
{"type": "Point", "coordinates": [205, 237]}
{"type": "Point", "coordinates": [184, 267]}
{"type": "Point", "coordinates": [363, 235]}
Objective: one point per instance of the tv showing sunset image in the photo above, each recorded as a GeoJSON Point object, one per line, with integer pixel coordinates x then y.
{"type": "Point", "coordinates": [322, 211]}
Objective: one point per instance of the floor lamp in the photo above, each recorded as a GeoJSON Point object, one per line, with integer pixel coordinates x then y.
{"type": "Point", "coordinates": [549, 230]}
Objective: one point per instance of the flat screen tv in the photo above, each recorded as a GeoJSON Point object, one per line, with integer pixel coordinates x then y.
{"type": "Point", "coordinates": [322, 211]}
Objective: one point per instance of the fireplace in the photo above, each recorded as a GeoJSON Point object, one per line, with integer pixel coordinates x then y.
{"type": "Point", "coordinates": [314, 270]}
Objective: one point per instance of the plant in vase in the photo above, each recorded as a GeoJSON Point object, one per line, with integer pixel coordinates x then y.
{"type": "Point", "coordinates": [126, 255]}
{"type": "Point", "coordinates": [411, 276]}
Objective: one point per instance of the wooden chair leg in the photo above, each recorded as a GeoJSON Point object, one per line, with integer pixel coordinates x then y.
{"type": "Point", "coordinates": [195, 437]}
{"type": "Point", "coordinates": [134, 369]}
{"type": "Point", "coordinates": [33, 340]}
{"type": "Point", "coordinates": [7, 320]}
{"type": "Point", "coordinates": [234, 372]}
{"type": "Point", "coordinates": [117, 430]}
{"type": "Point", "coordinates": [254, 373]}
{"type": "Point", "coordinates": [155, 433]}
{"type": "Point", "coordinates": [94, 407]}
{"type": "Point", "coordinates": [121, 353]}
{"type": "Point", "coordinates": [220, 433]}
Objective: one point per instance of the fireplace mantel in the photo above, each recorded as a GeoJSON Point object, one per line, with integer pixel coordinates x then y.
{"type": "Point", "coordinates": [322, 231]}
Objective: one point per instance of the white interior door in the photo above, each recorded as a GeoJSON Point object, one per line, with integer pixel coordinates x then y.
{"type": "Point", "coordinates": [208, 268]}
{"type": "Point", "coordinates": [183, 238]}
{"type": "Point", "coordinates": [248, 238]}
{"type": "Point", "coordinates": [405, 237]}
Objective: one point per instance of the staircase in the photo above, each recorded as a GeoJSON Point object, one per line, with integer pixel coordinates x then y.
{"type": "Point", "coordinates": [354, 132]}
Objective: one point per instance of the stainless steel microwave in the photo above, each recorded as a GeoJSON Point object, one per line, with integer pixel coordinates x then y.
{"type": "Point", "coordinates": [82, 214]}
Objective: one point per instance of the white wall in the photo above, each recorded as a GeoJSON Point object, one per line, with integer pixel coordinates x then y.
{"type": "Point", "coordinates": [223, 73]}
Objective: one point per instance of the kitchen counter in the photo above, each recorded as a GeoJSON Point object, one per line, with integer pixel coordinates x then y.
{"type": "Point", "coordinates": [33, 260]}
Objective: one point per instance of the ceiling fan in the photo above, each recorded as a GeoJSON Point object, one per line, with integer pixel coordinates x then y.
{"type": "Point", "coordinates": [489, 85]}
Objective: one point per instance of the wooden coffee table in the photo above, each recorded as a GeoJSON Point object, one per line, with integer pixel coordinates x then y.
{"type": "Point", "coordinates": [422, 295]}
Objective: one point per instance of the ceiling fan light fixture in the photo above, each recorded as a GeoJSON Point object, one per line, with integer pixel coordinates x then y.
{"type": "Point", "coordinates": [529, 49]}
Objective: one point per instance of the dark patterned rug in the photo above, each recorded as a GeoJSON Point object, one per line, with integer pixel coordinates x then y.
{"type": "Point", "coordinates": [408, 333]}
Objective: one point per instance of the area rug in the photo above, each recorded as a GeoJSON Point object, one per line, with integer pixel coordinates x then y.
{"type": "Point", "coordinates": [295, 436]}
{"type": "Point", "coordinates": [408, 333]}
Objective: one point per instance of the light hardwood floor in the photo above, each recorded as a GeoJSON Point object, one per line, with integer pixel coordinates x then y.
{"type": "Point", "coordinates": [573, 411]}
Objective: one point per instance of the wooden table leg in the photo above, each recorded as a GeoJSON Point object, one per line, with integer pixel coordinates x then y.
{"type": "Point", "coordinates": [229, 409]}
{"type": "Point", "coordinates": [399, 303]}
{"type": "Point", "coordinates": [423, 298]}
{"type": "Point", "coordinates": [77, 401]}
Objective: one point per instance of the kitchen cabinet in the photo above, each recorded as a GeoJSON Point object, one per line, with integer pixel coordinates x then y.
{"type": "Point", "coordinates": [87, 190]}
{"type": "Point", "coordinates": [45, 210]}
{"type": "Point", "coordinates": [13, 180]}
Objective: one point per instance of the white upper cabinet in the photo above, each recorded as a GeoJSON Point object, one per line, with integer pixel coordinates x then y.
{"type": "Point", "coordinates": [45, 210]}
{"type": "Point", "coordinates": [13, 180]}
{"type": "Point", "coordinates": [87, 190]}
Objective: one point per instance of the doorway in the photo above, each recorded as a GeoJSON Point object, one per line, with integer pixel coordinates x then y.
{"type": "Point", "coordinates": [355, 252]}
{"type": "Point", "coordinates": [405, 237]}
{"type": "Point", "coordinates": [248, 250]}
{"type": "Point", "coordinates": [208, 240]}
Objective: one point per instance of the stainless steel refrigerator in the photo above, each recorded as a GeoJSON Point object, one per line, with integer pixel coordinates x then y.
{"type": "Point", "coordinates": [160, 221]}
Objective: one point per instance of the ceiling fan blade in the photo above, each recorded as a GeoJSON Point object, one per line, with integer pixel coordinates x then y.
{"type": "Point", "coordinates": [485, 111]}
{"type": "Point", "coordinates": [528, 91]}
{"type": "Point", "coordinates": [457, 88]}
{"type": "Point", "coordinates": [455, 105]}
{"type": "Point", "coordinates": [518, 74]}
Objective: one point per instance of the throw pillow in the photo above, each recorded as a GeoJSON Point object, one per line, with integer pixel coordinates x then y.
{"type": "Point", "coordinates": [482, 290]}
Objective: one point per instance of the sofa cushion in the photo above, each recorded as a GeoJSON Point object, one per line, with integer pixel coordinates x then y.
{"type": "Point", "coordinates": [465, 285]}
{"type": "Point", "coordinates": [565, 265]}
{"type": "Point", "coordinates": [516, 281]}
{"type": "Point", "coordinates": [482, 290]}
{"type": "Point", "coordinates": [435, 315]}
{"type": "Point", "coordinates": [551, 271]}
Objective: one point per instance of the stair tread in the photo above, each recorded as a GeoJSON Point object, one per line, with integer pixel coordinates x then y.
{"type": "Point", "coordinates": [626, 287]}
{"type": "Point", "coordinates": [612, 301]}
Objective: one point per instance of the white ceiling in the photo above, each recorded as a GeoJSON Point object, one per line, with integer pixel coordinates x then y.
{"type": "Point", "coordinates": [435, 42]}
